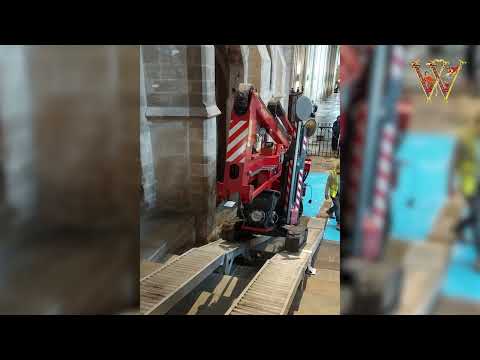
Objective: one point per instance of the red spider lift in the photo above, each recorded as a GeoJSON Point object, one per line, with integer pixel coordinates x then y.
{"type": "Point", "coordinates": [267, 165]}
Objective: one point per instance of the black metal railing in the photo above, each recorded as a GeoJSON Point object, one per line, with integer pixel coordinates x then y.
{"type": "Point", "coordinates": [323, 143]}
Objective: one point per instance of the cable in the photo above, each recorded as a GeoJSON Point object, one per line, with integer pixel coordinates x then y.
{"type": "Point", "coordinates": [311, 192]}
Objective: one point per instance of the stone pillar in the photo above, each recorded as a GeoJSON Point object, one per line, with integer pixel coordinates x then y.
{"type": "Point", "coordinates": [279, 75]}
{"type": "Point", "coordinates": [181, 114]}
{"type": "Point", "coordinates": [231, 62]}
{"type": "Point", "coordinates": [288, 53]}
{"type": "Point", "coordinates": [86, 135]}
{"type": "Point", "coordinates": [245, 49]}
{"type": "Point", "coordinates": [17, 163]}
{"type": "Point", "coordinates": [331, 65]}
{"type": "Point", "coordinates": [149, 181]}
{"type": "Point", "coordinates": [238, 72]}
{"type": "Point", "coordinates": [2, 172]}
{"type": "Point", "coordinates": [259, 65]}
{"type": "Point", "coordinates": [331, 68]}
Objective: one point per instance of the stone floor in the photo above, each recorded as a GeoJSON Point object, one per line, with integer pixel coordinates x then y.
{"type": "Point", "coordinates": [162, 234]}
{"type": "Point", "coordinates": [328, 109]}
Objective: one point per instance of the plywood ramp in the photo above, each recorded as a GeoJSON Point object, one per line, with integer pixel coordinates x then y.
{"type": "Point", "coordinates": [273, 288]}
{"type": "Point", "coordinates": [165, 286]}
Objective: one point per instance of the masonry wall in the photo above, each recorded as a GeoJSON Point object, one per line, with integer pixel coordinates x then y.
{"type": "Point", "coordinates": [86, 135]}
{"type": "Point", "coordinates": [69, 136]}
{"type": "Point", "coordinates": [181, 126]}
{"type": "Point", "coordinates": [148, 179]}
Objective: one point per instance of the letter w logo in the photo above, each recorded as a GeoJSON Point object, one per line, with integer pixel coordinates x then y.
{"type": "Point", "coordinates": [429, 81]}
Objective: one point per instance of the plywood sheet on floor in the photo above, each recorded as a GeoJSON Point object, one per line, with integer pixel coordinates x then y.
{"type": "Point", "coordinates": [453, 306]}
{"type": "Point", "coordinates": [322, 292]}
{"type": "Point", "coordinates": [424, 265]}
{"type": "Point", "coordinates": [328, 256]}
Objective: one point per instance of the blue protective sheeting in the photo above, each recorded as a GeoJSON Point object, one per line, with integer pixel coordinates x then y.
{"type": "Point", "coordinates": [462, 281]}
{"type": "Point", "coordinates": [422, 185]}
{"type": "Point", "coordinates": [316, 183]}
{"type": "Point", "coordinates": [421, 192]}
{"type": "Point", "coordinates": [331, 233]}
{"type": "Point", "coordinates": [316, 191]}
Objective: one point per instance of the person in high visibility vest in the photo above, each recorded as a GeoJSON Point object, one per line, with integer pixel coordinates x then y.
{"type": "Point", "coordinates": [466, 164]}
{"type": "Point", "coordinates": [332, 191]}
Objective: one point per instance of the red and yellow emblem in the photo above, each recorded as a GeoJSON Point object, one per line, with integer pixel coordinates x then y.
{"type": "Point", "coordinates": [432, 80]}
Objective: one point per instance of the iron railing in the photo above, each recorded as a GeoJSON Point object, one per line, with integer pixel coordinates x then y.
{"type": "Point", "coordinates": [323, 143]}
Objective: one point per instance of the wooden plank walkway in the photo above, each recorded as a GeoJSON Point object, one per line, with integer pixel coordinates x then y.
{"type": "Point", "coordinates": [165, 286]}
{"type": "Point", "coordinates": [273, 288]}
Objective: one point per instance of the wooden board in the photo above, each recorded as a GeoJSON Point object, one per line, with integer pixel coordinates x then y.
{"type": "Point", "coordinates": [450, 306]}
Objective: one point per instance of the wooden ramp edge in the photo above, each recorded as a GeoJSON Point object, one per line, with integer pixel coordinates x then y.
{"type": "Point", "coordinates": [273, 288]}
{"type": "Point", "coordinates": [161, 289]}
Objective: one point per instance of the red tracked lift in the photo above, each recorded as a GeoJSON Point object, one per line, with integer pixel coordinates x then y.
{"type": "Point", "coordinates": [266, 165]}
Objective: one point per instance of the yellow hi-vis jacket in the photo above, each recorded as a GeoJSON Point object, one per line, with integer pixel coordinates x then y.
{"type": "Point", "coordinates": [332, 184]}
{"type": "Point", "coordinates": [466, 163]}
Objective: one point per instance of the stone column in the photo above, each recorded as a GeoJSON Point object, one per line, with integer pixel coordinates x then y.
{"type": "Point", "coordinates": [181, 114]}
{"type": "Point", "coordinates": [259, 65]}
{"type": "Point", "coordinates": [2, 172]}
{"type": "Point", "coordinates": [237, 63]}
{"type": "Point", "coordinates": [288, 53]}
{"type": "Point", "coordinates": [17, 178]}
{"type": "Point", "coordinates": [149, 181]}
{"type": "Point", "coordinates": [86, 135]}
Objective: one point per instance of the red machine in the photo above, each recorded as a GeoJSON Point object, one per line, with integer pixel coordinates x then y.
{"type": "Point", "coordinates": [266, 163]}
